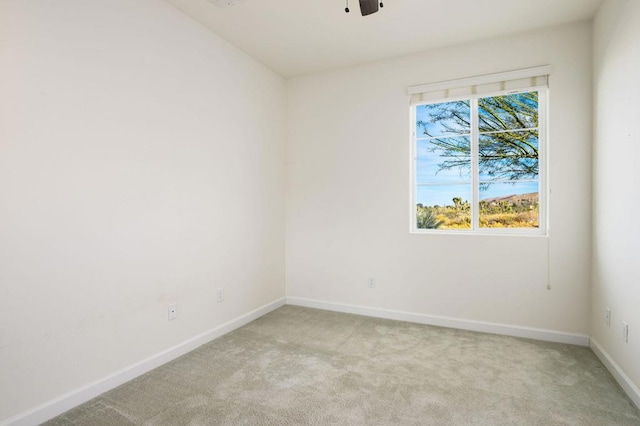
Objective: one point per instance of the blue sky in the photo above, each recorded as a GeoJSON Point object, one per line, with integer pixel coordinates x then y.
{"type": "Point", "coordinates": [437, 127]}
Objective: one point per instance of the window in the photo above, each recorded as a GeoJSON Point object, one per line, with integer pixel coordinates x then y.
{"type": "Point", "coordinates": [478, 154]}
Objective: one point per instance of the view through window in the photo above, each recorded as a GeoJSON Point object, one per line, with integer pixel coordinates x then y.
{"type": "Point", "coordinates": [477, 162]}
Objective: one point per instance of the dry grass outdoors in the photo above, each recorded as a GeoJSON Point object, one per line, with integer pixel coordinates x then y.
{"type": "Point", "coordinates": [514, 211]}
{"type": "Point", "coordinates": [510, 220]}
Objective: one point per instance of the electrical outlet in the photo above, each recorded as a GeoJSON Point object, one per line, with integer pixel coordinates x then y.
{"type": "Point", "coordinates": [220, 295]}
{"type": "Point", "coordinates": [173, 311]}
{"type": "Point", "coordinates": [608, 317]}
{"type": "Point", "coordinates": [625, 332]}
{"type": "Point", "coordinates": [372, 283]}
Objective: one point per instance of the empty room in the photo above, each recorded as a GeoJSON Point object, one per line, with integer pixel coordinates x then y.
{"type": "Point", "coordinates": [319, 212]}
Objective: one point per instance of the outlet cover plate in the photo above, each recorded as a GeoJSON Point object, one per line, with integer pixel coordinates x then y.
{"type": "Point", "coordinates": [172, 311]}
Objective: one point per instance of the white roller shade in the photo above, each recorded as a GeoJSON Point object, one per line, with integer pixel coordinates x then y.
{"type": "Point", "coordinates": [512, 80]}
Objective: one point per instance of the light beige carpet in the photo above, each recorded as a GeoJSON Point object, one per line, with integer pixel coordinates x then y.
{"type": "Point", "coordinates": [300, 366]}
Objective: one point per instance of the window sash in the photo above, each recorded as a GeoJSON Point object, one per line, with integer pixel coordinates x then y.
{"type": "Point", "coordinates": [475, 182]}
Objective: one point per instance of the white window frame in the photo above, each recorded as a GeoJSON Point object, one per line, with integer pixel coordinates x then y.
{"type": "Point", "coordinates": [543, 187]}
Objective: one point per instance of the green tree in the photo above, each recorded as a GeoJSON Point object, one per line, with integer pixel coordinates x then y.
{"type": "Point", "coordinates": [508, 139]}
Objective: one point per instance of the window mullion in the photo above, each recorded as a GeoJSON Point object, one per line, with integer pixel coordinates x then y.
{"type": "Point", "coordinates": [475, 178]}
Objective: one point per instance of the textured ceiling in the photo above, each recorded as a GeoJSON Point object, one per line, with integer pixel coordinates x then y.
{"type": "Point", "coordinates": [297, 37]}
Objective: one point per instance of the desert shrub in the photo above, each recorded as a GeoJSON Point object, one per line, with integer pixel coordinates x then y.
{"type": "Point", "coordinates": [426, 218]}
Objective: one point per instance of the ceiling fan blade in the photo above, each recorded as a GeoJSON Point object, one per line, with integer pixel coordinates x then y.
{"type": "Point", "coordinates": [367, 7]}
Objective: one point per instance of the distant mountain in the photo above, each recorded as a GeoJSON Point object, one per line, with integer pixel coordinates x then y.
{"type": "Point", "coordinates": [529, 198]}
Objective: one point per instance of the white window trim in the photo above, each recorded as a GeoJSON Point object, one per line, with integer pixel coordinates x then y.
{"type": "Point", "coordinates": [543, 187]}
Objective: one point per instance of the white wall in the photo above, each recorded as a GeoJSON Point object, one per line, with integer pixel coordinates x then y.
{"type": "Point", "coordinates": [140, 164]}
{"type": "Point", "coordinates": [616, 230]}
{"type": "Point", "coordinates": [348, 193]}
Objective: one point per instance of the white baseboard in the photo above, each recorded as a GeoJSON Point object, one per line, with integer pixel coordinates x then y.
{"type": "Point", "coordinates": [463, 324]}
{"type": "Point", "coordinates": [623, 380]}
{"type": "Point", "coordinates": [72, 399]}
